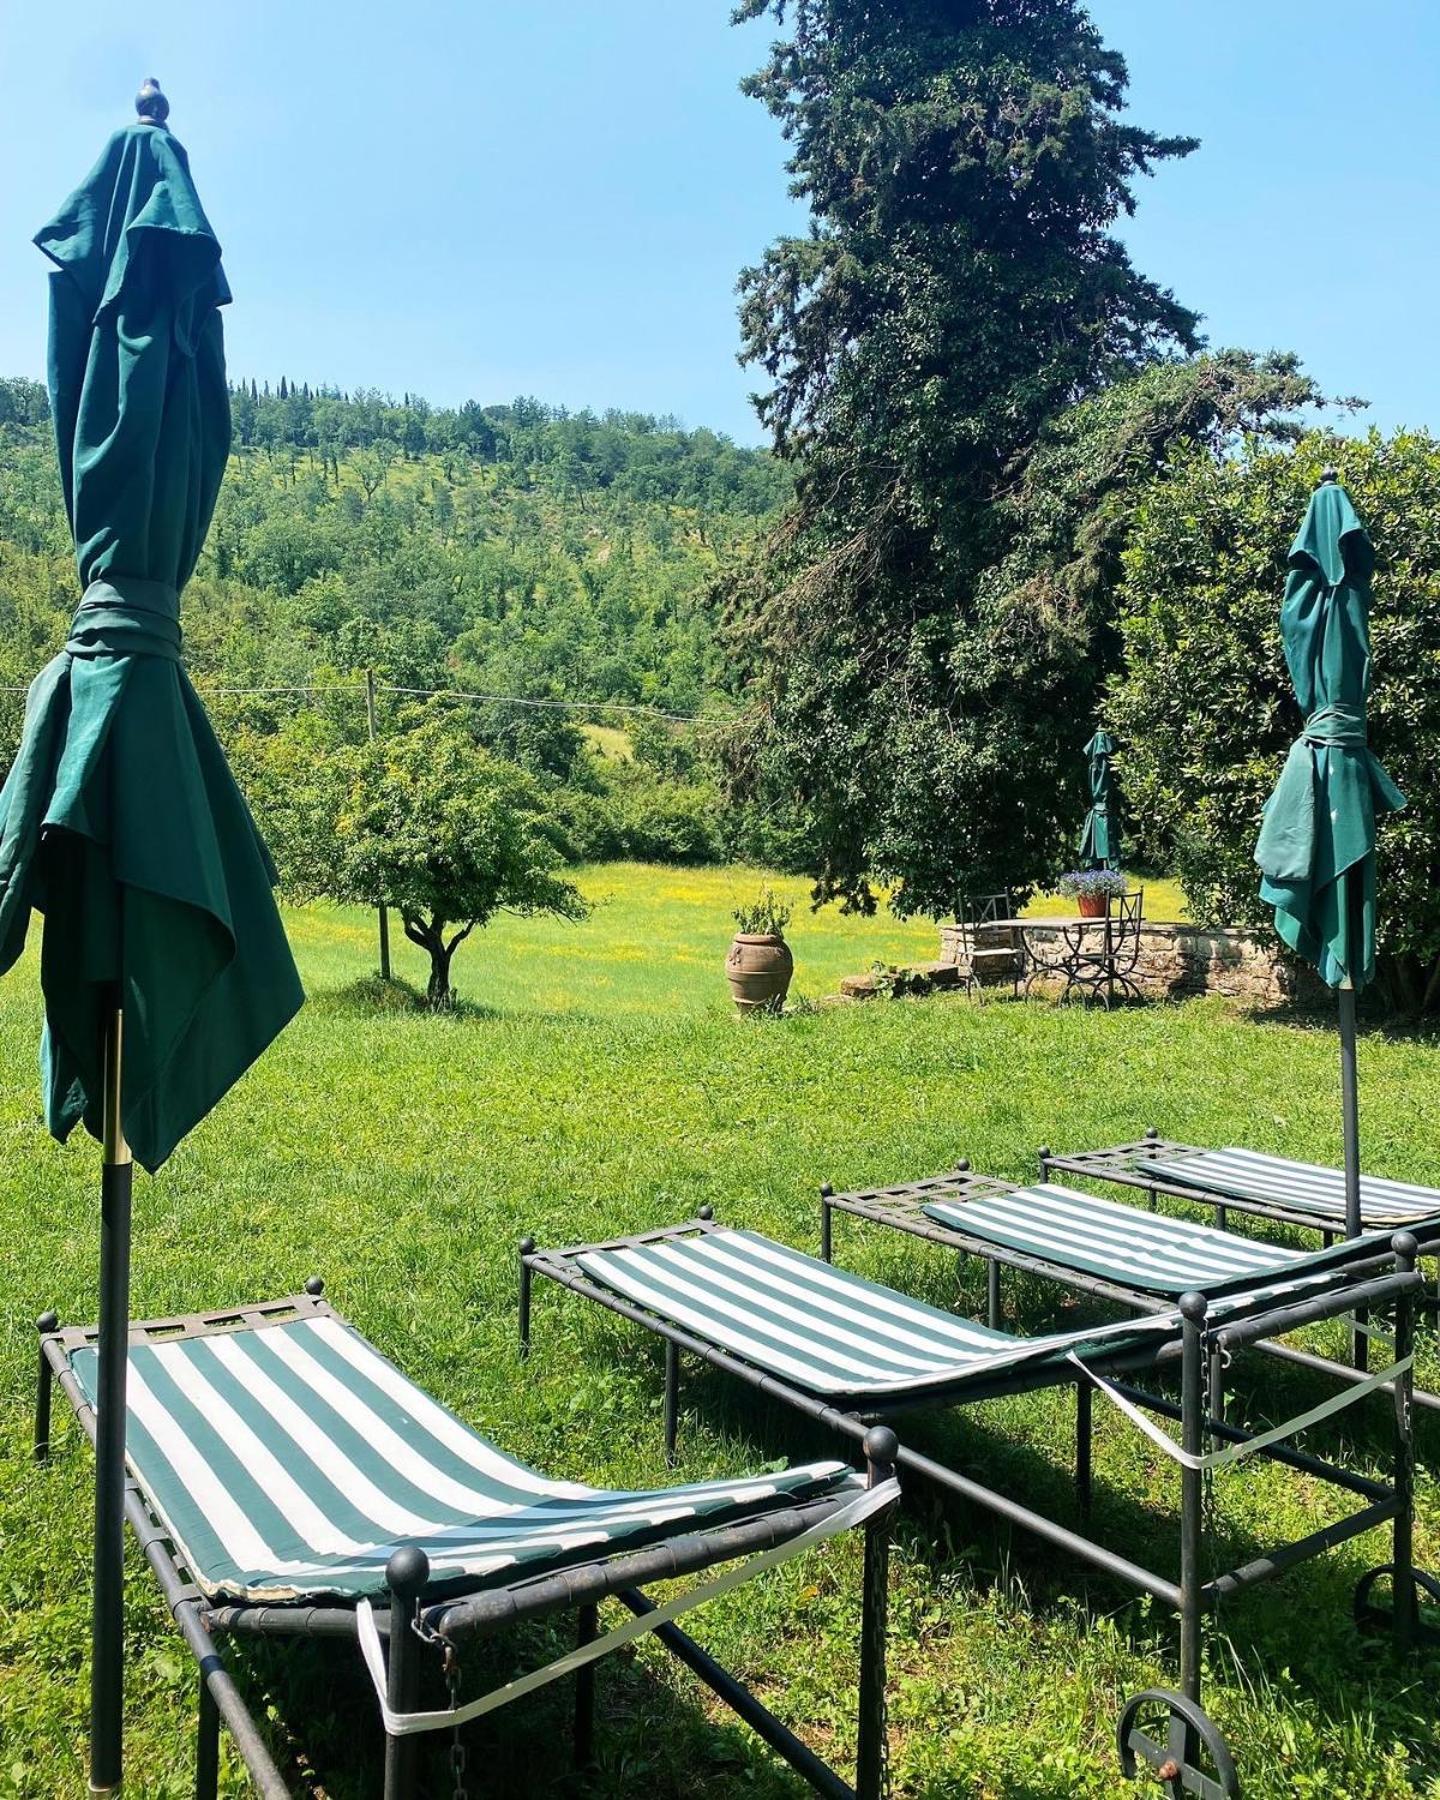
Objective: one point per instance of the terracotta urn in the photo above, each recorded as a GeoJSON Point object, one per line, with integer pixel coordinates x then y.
{"type": "Point", "coordinates": [759, 968]}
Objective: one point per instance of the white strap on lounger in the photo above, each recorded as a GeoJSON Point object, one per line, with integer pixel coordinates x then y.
{"type": "Point", "coordinates": [1234, 1453]}
{"type": "Point", "coordinates": [406, 1724]}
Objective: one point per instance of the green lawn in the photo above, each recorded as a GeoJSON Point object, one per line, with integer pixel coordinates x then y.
{"type": "Point", "coordinates": [597, 1082]}
{"type": "Point", "coordinates": [655, 943]}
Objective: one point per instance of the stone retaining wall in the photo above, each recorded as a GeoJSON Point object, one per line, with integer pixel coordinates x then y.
{"type": "Point", "coordinates": [1178, 962]}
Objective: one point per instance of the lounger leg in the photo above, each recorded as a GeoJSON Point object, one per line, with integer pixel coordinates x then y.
{"type": "Point", "coordinates": [527, 1248]}
{"type": "Point", "coordinates": [1222, 1218]}
{"type": "Point", "coordinates": [207, 1744]}
{"type": "Point", "coordinates": [881, 1449]}
{"type": "Point", "coordinates": [1084, 1410]}
{"type": "Point", "coordinates": [1192, 1489]}
{"type": "Point", "coordinates": [1360, 1344]}
{"type": "Point", "coordinates": [584, 1741]}
{"type": "Point", "coordinates": [992, 1294]}
{"type": "Point", "coordinates": [672, 1400]}
{"type": "Point", "coordinates": [825, 1194]}
{"type": "Point", "coordinates": [44, 1389]}
{"type": "Point", "coordinates": [1152, 1199]}
{"type": "Point", "coordinates": [405, 1575]}
{"type": "Point", "coordinates": [1406, 1601]}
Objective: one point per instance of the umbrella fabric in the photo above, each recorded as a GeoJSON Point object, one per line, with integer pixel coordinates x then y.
{"type": "Point", "coordinates": [1100, 834]}
{"type": "Point", "coordinates": [120, 820]}
{"type": "Point", "coordinates": [1316, 849]}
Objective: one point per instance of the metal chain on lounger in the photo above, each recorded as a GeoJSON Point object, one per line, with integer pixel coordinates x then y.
{"type": "Point", "coordinates": [1210, 1520]}
{"type": "Point", "coordinates": [450, 1668]}
{"type": "Point", "coordinates": [458, 1754]}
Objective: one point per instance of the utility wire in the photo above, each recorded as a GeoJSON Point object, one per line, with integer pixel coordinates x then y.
{"type": "Point", "coordinates": [653, 712]}
{"type": "Point", "coordinates": [358, 687]}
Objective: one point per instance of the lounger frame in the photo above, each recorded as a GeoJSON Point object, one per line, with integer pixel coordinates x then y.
{"type": "Point", "coordinates": [444, 1619]}
{"type": "Point", "coordinates": [1177, 1756]}
{"type": "Point", "coordinates": [1124, 1165]}
{"type": "Point", "coordinates": [902, 1208]}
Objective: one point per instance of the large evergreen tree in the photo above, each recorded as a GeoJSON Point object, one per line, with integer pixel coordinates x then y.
{"type": "Point", "coordinates": [964, 162]}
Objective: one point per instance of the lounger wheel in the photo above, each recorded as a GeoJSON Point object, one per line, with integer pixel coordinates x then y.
{"type": "Point", "coordinates": [1174, 1762]}
{"type": "Point", "coordinates": [1369, 1614]}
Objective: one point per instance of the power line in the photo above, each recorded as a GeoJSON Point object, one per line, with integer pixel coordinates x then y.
{"type": "Point", "coordinates": [358, 687]}
{"type": "Point", "coordinates": [653, 712]}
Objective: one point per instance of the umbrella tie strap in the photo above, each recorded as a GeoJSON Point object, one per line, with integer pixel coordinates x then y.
{"type": "Point", "coordinates": [1234, 1453]}
{"type": "Point", "coordinates": [124, 615]}
{"type": "Point", "coordinates": [406, 1724]}
{"type": "Point", "coordinates": [1340, 726]}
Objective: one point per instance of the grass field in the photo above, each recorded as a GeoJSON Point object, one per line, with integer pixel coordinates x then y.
{"type": "Point", "coordinates": [595, 1082]}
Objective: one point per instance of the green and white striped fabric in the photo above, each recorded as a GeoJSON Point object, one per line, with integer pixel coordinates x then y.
{"type": "Point", "coordinates": [1142, 1250]}
{"type": "Point", "coordinates": [288, 1461]}
{"type": "Point", "coordinates": [1303, 1187]}
{"type": "Point", "coordinates": [824, 1329]}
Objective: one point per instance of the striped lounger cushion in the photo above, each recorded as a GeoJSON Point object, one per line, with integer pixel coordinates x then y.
{"type": "Point", "coordinates": [1146, 1251]}
{"type": "Point", "coordinates": [1304, 1187]}
{"type": "Point", "coordinates": [824, 1329]}
{"type": "Point", "coordinates": [288, 1461]}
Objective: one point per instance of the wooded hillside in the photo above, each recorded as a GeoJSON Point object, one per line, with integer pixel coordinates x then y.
{"type": "Point", "coordinates": [511, 549]}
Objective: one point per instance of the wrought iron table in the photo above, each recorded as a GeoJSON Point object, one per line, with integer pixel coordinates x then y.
{"type": "Point", "coordinates": [1094, 955]}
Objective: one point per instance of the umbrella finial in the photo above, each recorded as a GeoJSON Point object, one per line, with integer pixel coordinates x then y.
{"type": "Point", "coordinates": [1329, 473]}
{"type": "Point", "coordinates": [150, 103]}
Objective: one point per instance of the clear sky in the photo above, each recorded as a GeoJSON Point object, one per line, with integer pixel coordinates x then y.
{"type": "Point", "coordinates": [466, 198]}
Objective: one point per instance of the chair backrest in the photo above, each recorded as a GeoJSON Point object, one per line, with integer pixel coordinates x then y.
{"type": "Point", "coordinates": [1127, 913]}
{"type": "Point", "coordinates": [983, 909]}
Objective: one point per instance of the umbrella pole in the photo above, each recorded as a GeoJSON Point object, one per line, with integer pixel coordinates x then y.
{"type": "Point", "coordinates": [1350, 1117]}
{"type": "Point", "coordinates": [107, 1668]}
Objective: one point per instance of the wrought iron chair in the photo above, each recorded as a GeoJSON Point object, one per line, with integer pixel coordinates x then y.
{"type": "Point", "coordinates": [986, 949]}
{"type": "Point", "coordinates": [1108, 962]}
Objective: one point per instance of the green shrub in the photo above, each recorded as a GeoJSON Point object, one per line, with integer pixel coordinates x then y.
{"type": "Point", "coordinates": [628, 812]}
{"type": "Point", "coordinates": [1206, 704]}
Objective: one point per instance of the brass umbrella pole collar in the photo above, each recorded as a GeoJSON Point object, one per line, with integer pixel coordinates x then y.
{"type": "Point", "coordinates": [114, 1150]}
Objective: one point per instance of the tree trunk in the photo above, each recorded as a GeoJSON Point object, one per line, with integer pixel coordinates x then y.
{"type": "Point", "coordinates": [438, 996]}
{"type": "Point", "coordinates": [429, 934]}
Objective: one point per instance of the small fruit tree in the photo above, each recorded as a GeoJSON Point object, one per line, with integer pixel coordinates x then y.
{"type": "Point", "coordinates": [426, 822]}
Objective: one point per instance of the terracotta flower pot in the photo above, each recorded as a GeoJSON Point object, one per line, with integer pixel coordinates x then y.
{"type": "Point", "coordinates": [1092, 906]}
{"type": "Point", "coordinates": [759, 968]}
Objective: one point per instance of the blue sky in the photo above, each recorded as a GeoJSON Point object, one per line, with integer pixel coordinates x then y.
{"type": "Point", "coordinates": [469, 198]}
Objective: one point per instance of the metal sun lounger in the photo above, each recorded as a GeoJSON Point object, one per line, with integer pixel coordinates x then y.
{"type": "Point", "coordinates": [1143, 1261]}
{"type": "Point", "coordinates": [1250, 1181]}
{"type": "Point", "coordinates": [843, 1351]}
{"type": "Point", "coordinates": [287, 1480]}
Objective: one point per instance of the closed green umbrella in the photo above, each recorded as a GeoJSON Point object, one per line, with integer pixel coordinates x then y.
{"type": "Point", "coordinates": [1317, 841]}
{"type": "Point", "coordinates": [1100, 834]}
{"type": "Point", "coordinates": [164, 964]}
